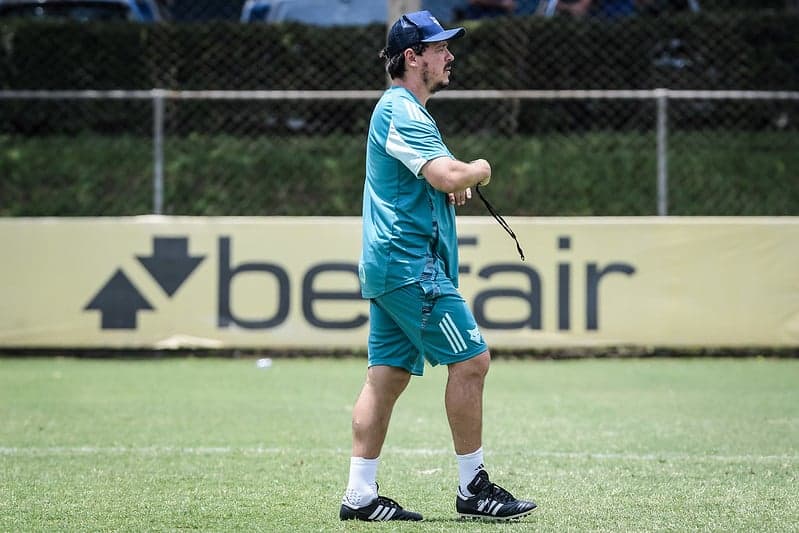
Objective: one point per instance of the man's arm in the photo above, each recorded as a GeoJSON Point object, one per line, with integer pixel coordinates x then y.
{"type": "Point", "coordinates": [452, 176]}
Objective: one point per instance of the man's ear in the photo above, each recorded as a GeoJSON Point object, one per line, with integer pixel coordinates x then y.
{"type": "Point", "coordinates": [410, 56]}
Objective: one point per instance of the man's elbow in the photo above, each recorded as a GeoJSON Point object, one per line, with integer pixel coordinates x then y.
{"type": "Point", "coordinates": [447, 178]}
{"type": "Point", "coordinates": [447, 184]}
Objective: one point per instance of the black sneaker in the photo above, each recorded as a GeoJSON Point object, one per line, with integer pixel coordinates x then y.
{"type": "Point", "coordinates": [490, 501]}
{"type": "Point", "coordinates": [380, 510]}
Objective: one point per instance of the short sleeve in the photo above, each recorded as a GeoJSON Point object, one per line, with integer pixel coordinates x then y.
{"type": "Point", "coordinates": [413, 138]}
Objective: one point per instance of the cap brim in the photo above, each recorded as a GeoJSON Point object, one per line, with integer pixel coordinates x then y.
{"type": "Point", "coordinates": [446, 35]}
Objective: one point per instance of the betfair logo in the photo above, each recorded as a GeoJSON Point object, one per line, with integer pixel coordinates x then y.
{"type": "Point", "coordinates": [170, 264]}
{"type": "Point", "coordinates": [119, 300]}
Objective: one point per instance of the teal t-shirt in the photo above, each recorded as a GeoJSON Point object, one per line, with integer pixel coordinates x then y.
{"type": "Point", "coordinates": [409, 232]}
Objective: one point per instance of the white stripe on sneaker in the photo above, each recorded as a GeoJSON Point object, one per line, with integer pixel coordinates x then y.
{"type": "Point", "coordinates": [384, 514]}
{"type": "Point", "coordinates": [374, 516]}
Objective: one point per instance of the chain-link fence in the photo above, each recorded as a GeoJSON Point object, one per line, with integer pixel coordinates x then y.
{"type": "Point", "coordinates": [577, 123]}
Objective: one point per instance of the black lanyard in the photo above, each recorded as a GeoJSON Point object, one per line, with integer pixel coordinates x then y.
{"type": "Point", "coordinates": [501, 221]}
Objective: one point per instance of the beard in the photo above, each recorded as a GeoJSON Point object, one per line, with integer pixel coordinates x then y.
{"type": "Point", "coordinates": [437, 86]}
{"type": "Point", "coordinates": [440, 85]}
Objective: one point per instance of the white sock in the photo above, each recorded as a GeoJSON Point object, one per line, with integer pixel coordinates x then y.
{"type": "Point", "coordinates": [362, 485]}
{"type": "Point", "coordinates": [468, 466]}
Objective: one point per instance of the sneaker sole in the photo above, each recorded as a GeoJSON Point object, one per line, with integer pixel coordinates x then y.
{"type": "Point", "coordinates": [489, 518]}
{"type": "Point", "coordinates": [348, 513]}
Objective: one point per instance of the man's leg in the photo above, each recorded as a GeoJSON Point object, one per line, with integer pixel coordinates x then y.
{"type": "Point", "coordinates": [478, 497]}
{"type": "Point", "coordinates": [393, 357]}
{"type": "Point", "coordinates": [370, 417]}
{"type": "Point", "coordinates": [464, 402]}
{"type": "Point", "coordinates": [372, 411]}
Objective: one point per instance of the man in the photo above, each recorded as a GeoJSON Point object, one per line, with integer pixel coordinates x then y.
{"type": "Point", "coordinates": [409, 272]}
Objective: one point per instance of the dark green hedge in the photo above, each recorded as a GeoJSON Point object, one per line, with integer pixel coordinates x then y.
{"type": "Point", "coordinates": [718, 173]}
{"type": "Point", "coordinates": [551, 158]}
{"type": "Point", "coordinates": [755, 50]}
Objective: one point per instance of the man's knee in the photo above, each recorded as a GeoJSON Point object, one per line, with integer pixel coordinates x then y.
{"type": "Point", "coordinates": [476, 367]}
{"type": "Point", "coordinates": [388, 380]}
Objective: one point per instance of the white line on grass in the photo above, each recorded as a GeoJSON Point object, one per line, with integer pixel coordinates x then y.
{"type": "Point", "coordinates": [228, 450]}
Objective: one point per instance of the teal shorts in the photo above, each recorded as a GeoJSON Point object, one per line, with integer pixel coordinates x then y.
{"type": "Point", "coordinates": [407, 326]}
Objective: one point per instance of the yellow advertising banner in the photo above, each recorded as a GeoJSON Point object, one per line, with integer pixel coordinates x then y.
{"type": "Point", "coordinates": [282, 283]}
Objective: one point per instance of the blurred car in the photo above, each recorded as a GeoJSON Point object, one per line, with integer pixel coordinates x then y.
{"type": "Point", "coordinates": [361, 12]}
{"type": "Point", "coordinates": [316, 12]}
{"type": "Point", "coordinates": [83, 10]}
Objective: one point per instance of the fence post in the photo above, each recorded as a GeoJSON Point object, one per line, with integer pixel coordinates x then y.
{"type": "Point", "coordinates": [158, 151]}
{"type": "Point", "coordinates": [662, 97]}
{"type": "Point", "coordinates": [398, 7]}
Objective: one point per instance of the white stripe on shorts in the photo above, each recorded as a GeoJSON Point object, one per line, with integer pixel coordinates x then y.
{"type": "Point", "coordinates": [452, 334]}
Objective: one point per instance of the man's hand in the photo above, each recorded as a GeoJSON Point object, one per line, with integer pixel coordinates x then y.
{"type": "Point", "coordinates": [459, 198]}
{"type": "Point", "coordinates": [485, 171]}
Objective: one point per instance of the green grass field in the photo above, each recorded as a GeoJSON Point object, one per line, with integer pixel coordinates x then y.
{"type": "Point", "coordinates": [220, 445]}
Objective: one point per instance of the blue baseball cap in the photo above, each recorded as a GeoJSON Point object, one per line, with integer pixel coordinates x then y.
{"type": "Point", "coordinates": [418, 27]}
